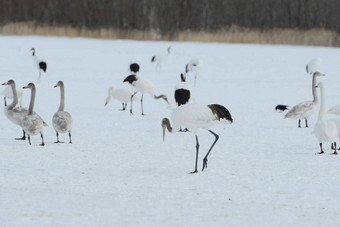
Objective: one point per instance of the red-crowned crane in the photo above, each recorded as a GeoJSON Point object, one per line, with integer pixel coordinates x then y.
{"type": "Point", "coordinates": [194, 117]}
{"type": "Point", "coordinates": [143, 86]}
{"type": "Point", "coordinates": [159, 59]}
{"type": "Point", "coordinates": [40, 64]}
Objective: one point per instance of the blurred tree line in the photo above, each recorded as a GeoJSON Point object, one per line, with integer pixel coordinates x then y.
{"type": "Point", "coordinates": [172, 16]}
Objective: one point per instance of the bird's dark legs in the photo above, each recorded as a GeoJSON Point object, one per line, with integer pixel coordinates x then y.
{"type": "Point", "coordinates": [57, 134]}
{"type": "Point", "coordinates": [29, 139]}
{"type": "Point", "coordinates": [334, 147]}
{"type": "Point", "coordinates": [23, 136]}
{"type": "Point", "coordinates": [124, 106]}
{"type": "Point", "coordinates": [42, 140]}
{"type": "Point", "coordinates": [197, 148]}
{"type": "Point", "coordinates": [306, 123]}
{"type": "Point", "coordinates": [5, 101]}
{"type": "Point", "coordinates": [205, 160]}
{"type": "Point", "coordinates": [69, 135]}
{"type": "Point", "coordinates": [299, 123]}
{"type": "Point", "coordinates": [131, 102]}
{"type": "Point", "coordinates": [141, 102]}
{"type": "Point", "coordinates": [321, 152]}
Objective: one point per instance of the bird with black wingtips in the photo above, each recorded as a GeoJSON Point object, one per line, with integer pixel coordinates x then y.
{"type": "Point", "coordinates": [40, 64]}
{"type": "Point", "coordinates": [143, 86]}
{"type": "Point", "coordinates": [194, 117]}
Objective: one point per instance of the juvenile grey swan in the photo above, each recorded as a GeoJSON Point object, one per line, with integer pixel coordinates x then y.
{"type": "Point", "coordinates": [32, 123]}
{"type": "Point", "coordinates": [306, 109]}
{"type": "Point", "coordinates": [15, 114]}
{"type": "Point", "coordinates": [62, 120]}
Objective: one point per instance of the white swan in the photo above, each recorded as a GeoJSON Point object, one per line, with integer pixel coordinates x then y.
{"type": "Point", "coordinates": [306, 109]}
{"type": "Point", "coordinates": [32, 123]}
{"type": "Point", "coordinates": [121, 94]}
{"type": "Point", "coordinates": [334, 110]}
{"type": "Point", "coordinates": [325, 130]}
{"type": "Point", "coordinates": [15, 114]}
{"type": "Point", "coordinates": [62, 120]}
{"type": "Point", "coordinates": [7, 93]}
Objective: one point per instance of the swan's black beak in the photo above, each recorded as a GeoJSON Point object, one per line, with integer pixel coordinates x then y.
{"type": "Point", "coordinates": [56, 85]}
{"type": "Point", "coordinates": [5, 83]}
{"type": "Point", "coordinates": [25, 87]}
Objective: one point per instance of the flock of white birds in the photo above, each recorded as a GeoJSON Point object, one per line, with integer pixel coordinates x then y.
{"type": "Point", "coordinates": [30, 122]}
{"type": "Point", "coordinates": [187, 114]}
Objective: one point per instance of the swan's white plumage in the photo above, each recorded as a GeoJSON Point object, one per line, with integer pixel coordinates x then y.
{"type": "Point", "coordinates": [7, 92]}
{"type": "Point", "coordinates": [334, 110]}
{"type": "Point", "coordinates": [121, 94]}
{"type": "Point", "coordinates": [306, 109]}
{"type": "Point", "coordinates": [324, 130]}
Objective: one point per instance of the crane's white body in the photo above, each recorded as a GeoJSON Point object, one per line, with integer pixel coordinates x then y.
{"type": "Point", "coordinates": [160, 58]}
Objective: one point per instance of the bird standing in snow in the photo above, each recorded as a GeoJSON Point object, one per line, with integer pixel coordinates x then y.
{"type": "Point", "coordinates": [62, 120]}
{"type": "Point", "coordinates": [159, 59]}
{"type": "Point", "coordinates": [194, 117]}
{"type": "Point", "coordinates": [32, 123]}
{"type": "Point", "coordinates": [15, 114]}
{"type": "Point", "coordinates": [40, 64]}
{"type": "Point", "coordinates": [306, 109]}
{"type": "Point", "coordinates": [143, 86]}
{"type": "Point", "coordinates": [325, 130]}
{"type": "Point", "coordinates": [121, 94]}
{"type": "Point", "coordinates": [194, 65]}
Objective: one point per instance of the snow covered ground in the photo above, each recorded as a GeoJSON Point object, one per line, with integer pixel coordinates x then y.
{"type": "Point", "coordinates": [263, 171]}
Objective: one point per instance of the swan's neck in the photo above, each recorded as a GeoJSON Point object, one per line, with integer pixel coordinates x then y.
{"type": "Point", "coordinates": [62, 98]}
{"type": "Point", "coordinates": [31, 107]}
{"type": "Point", "coordinates": [15, 98]}
{"type": "Point", "coordinates": [315, 93]}
{"type": "Point", "coordinates": [322, 104]}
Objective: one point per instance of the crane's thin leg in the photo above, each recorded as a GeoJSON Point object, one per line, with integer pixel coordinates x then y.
{"type": "Point", "coordinates": [29, 139]}
{"type": "Point", "coordinates": [205, 160]}
{"type": "Point", "coordinates": [321, 152]}
{"type": "Point", "coordinates": [58, 138]}
{"type": "Point", "coordinates": [42, 140]}
{"type": "Point", "coordinates": [334, 148]}
{"type": "Point", "coordinates": [141, 102]}
{"type": "Point", "coordinates": [5, 101]}
{"type": "Point", "coordinates": [197, 148]}
{"type": "Point", "coordinates": [299, 123]}
{"type": "Point", "coordinates": [69, 135]}
{"type": "Point", "coordinates": [195, 79]}
{"type": "Point", "coordinates": [306, 123]}
{"type": "Point", "coordinates": [131, 102]}
{"type": "Point", "coordinates": [124, 107]}
{"type": "Point", "coordinates": [23, 136]}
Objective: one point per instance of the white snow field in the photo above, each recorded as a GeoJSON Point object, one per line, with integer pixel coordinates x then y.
{"type": "Point", "coordinates": [263, 171]}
